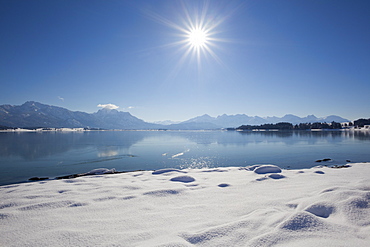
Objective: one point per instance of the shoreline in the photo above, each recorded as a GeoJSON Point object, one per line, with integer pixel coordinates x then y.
{"type": "Point", "coordinates": [320, 163]}
{"type": "Point", "coordinates": [106, 171]}
{"type": "Point", "coordinates": [221, 129]}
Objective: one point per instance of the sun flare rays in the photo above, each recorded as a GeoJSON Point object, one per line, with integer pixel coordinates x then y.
{"type": "Point", "coordinates": [195, 32]}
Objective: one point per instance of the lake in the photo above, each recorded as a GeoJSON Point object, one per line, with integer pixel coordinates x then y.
{"type": "Point", "coordinates": [28, 154]}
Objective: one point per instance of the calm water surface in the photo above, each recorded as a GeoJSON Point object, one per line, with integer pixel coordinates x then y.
{"type": "Point", "coordinates": [51, 154]}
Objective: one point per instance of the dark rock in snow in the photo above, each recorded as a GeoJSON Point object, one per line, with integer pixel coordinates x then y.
{"type": "Point", "coordinates": [37, 179]}
{"type": "Point", "coordinates": [323, 160]}
{"type": "Point", "coordinates": [341, 166]}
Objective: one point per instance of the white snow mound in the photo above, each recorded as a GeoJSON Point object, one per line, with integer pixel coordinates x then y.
{"type": "Point", "coordinates": [263, 169]}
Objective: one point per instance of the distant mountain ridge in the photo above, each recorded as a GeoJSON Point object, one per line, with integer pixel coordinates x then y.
{"type": "Point", "coordinates": [167, 122]}
{"type": "Point", "coordinates": [35, 114]}
{"type": "Point", "coordinates": [226, 121]}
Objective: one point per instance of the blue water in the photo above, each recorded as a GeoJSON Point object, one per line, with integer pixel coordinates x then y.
{"type": "Point", "coordinates": [51, 154]}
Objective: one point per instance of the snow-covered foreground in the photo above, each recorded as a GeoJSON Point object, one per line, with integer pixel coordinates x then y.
{"type": "Point", "coordinates": [255, 206]}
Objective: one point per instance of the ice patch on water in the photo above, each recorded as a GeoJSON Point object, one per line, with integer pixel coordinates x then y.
{"type": "Point", "coordinates": [177, 155]}
{"type": "Point", "coordinates": [100, 171]}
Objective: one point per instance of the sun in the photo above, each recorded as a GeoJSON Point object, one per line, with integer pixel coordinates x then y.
{"type": "Point", "coordinates": [197, 38]}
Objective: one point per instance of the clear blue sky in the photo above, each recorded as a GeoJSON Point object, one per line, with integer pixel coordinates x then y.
{"type": "Point", "coordinates": [266, 58]}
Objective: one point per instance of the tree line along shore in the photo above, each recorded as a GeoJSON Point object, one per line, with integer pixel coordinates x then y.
{"type": "Point", "coordinates": [360, 123]}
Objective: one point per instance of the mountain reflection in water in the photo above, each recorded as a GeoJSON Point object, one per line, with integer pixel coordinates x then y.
{"type": "Point", "coordinates": [23, 155]}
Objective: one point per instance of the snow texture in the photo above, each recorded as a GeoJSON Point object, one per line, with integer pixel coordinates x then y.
{"type": "Point", "coordinates": [166, 170]}
{"type": "Point", "coordinates": [253, 206]}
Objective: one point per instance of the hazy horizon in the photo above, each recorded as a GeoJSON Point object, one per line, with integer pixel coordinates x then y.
{"type": "Point", "coordinates": [175, 60]}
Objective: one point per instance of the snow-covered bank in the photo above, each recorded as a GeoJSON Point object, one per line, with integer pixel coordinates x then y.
{"type": "Point", "coordinates": [255, 206]}
{"type": "Point", "coordinates": [45, 130]}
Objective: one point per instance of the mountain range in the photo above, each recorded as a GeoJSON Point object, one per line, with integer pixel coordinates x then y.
{"type": "Point", "coordinates": [35, 114]}
{"type": "Point", "coordinates": [242, 119]}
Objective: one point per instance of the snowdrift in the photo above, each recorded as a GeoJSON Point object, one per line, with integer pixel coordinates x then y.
{"type": "Point", "coordinates": [236, 206]}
